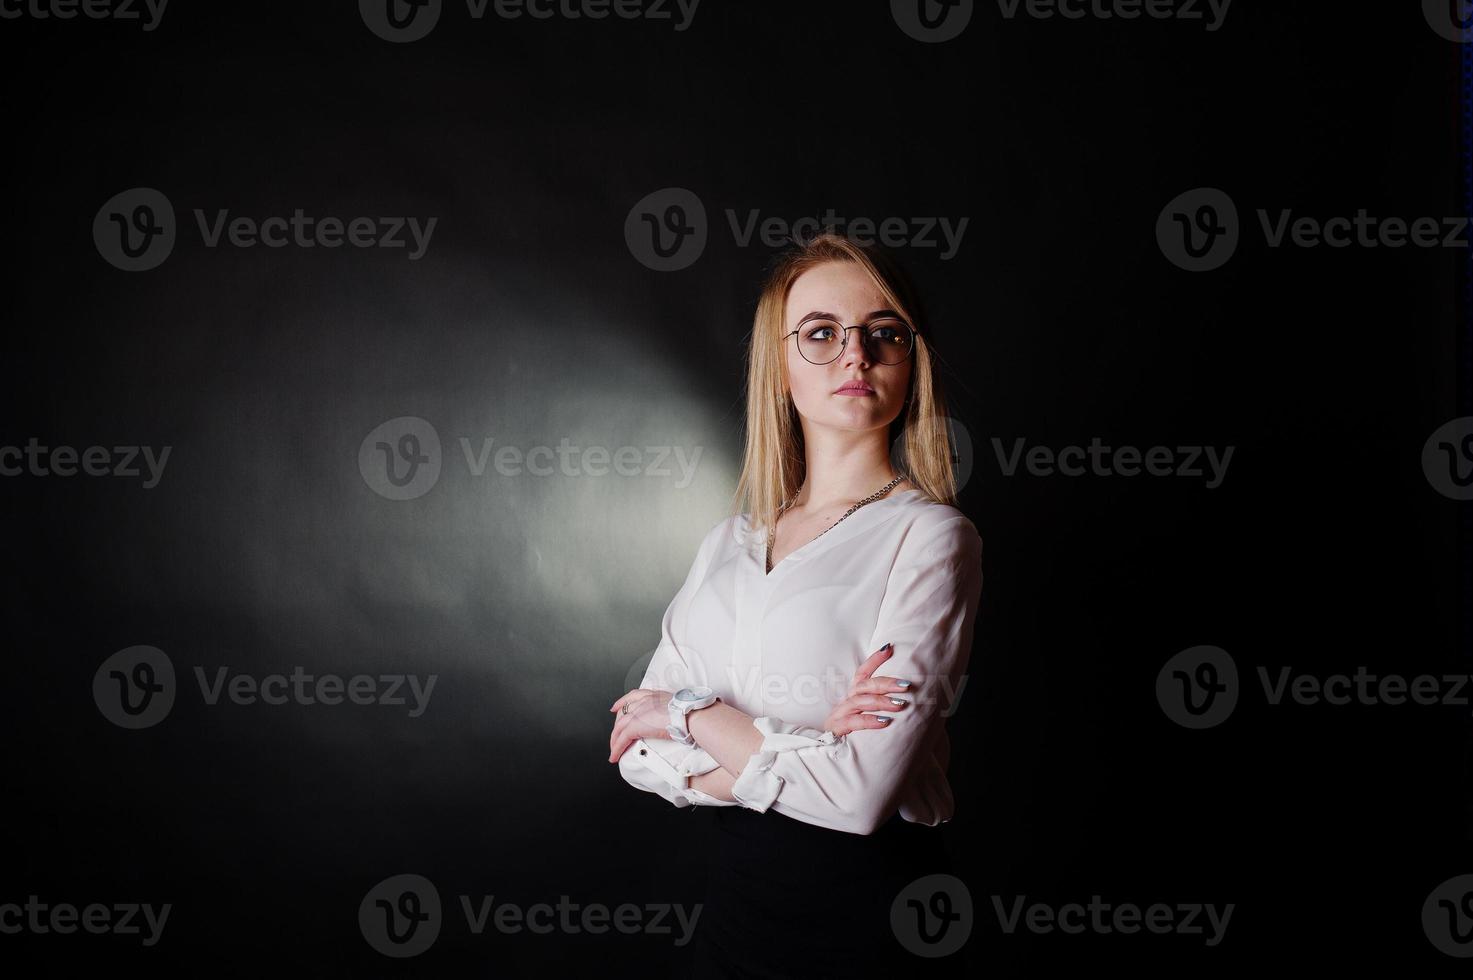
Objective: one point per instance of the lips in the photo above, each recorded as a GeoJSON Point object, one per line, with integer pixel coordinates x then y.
{"type": "Point", "coordinates": [854, 388]}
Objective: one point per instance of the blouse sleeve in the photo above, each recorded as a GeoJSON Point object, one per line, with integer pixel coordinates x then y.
{"type": "Point", "coordinates": [662, 765]}
{"type": "Point", "coordinates": [853, 783]}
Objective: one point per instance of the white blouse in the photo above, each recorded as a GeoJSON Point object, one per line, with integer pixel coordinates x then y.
{"type": "Point", "coordinates": [783, 647]}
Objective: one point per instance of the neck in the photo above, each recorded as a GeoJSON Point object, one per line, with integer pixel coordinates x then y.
{"type": "Point", "coordinates": [844, 470]}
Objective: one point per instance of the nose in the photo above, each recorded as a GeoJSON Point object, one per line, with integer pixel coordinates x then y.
{"type": "Point", "coordinates": [855, 349]}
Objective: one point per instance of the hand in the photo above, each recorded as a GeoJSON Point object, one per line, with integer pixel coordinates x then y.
{"type": "Point", "coordinates": [648, 714]}
{"type": "Point", "coordinates": [867, 693]}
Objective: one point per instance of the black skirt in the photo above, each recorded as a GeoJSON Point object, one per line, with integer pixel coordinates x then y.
{"type": "Point", "coordinates": [788, 899]}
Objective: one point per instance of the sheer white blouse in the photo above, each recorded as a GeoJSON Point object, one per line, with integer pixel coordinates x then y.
{"type": "Point", "coordinates": [783, 647]}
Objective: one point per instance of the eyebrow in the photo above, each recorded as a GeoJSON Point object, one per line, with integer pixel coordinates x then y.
{"type": "Point", "coordinates": [820, 315]}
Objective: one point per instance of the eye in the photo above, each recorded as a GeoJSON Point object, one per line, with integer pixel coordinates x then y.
{"type": "Point", "coordinates": [888, 332]}
{"type": "Point", "coordinates": [821, 330]}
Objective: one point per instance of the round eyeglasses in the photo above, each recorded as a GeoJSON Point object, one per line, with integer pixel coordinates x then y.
{"type": "Point", "coordinates": [888, 340]}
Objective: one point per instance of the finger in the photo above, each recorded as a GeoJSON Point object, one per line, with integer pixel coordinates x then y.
{"type": "Point", "coordinates": [637, 692]}
{"type": "Point", "coordinates": [620, 749]}
{"type": "Point", "coordinates": [873, 663]}
{"type": "Point", "coordinates": [860, 722]}
{"type": "Point", "coordinates": [872, 702]}
{"type": "Point", "coordinates": [879, 685]}
{"type": "Point", "coordinates": [618, 732]}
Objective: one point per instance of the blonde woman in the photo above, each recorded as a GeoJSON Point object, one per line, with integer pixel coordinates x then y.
{"type": "Point", "coordinates": [807, 665]}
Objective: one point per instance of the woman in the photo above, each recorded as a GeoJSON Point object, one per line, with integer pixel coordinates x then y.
{"type": "Point", "coordinates": [819, 640]}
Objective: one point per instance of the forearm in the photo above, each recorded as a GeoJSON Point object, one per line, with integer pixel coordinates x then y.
{"type": "Point", "coordinates": [727, 733]}
{"type": "Point", "coordinates": [715, 783]}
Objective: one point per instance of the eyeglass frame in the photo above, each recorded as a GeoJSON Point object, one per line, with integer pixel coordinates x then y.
{"type": "Point", "coordinates": [844, 341]}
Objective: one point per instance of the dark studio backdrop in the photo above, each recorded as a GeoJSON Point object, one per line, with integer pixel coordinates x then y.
{"type": "Point", "coordinates": [1021, 167]}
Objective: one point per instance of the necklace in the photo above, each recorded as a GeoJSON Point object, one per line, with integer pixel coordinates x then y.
{"type": "Point", "coordinates": [772, 533]}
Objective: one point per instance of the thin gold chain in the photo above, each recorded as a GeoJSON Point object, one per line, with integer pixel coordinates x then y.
{"type": "Point", "coordinates": [772, 532]}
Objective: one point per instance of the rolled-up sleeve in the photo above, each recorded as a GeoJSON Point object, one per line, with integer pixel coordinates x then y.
{"type": "Point", "coordinates": [853, 783]}
{"type": "Point", "coordinates": [664, 767]}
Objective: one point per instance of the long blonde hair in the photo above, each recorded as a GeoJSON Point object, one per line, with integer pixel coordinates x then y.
{"type": "Point", "coordinates": [773, 464]}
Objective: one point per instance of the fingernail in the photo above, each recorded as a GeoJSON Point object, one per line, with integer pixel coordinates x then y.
{"type": "Point", "coordinates": [898, 703]}
{"type": "Point", "coordinates": [883, 718]}
{"type": "Point", "coordinates": [901, 683]}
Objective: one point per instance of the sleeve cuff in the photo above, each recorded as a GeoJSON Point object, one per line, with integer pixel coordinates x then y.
{"type": "Point", "coordinates": [758, 786]}
{"type": "Point", "coordinates": [675, 764]}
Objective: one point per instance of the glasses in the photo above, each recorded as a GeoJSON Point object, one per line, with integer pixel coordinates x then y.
{"type": "Point", "coordinates": [888, 340]}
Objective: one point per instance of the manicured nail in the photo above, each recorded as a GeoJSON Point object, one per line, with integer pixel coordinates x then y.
{"type": "Point", "coordinates": [898, 703]}
{"type": "Point", "coordinates": [883, 718]}
{"type": "Point", "coordinates": [901, 683]}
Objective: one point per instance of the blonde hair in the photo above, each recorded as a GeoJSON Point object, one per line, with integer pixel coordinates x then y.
{"type": "Point", "coordinates": [773, 464]}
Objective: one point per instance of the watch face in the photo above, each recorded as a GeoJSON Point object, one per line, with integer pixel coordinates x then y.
{"type": "Point", "coordinates": [686, 694]}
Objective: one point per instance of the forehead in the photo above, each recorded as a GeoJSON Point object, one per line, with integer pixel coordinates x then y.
{"type": "Point", "coordinates": [842, 288]}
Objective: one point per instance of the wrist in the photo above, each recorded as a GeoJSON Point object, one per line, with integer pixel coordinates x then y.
{"type": "Point", "coordinates": [681, 705]}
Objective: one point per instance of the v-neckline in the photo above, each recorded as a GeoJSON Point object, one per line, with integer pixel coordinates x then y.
{"type": "Point", "coordinates": [832, 535]}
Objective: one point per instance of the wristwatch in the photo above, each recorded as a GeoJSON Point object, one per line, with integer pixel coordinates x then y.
{"type": "Point", "coordinates": [685, 701]}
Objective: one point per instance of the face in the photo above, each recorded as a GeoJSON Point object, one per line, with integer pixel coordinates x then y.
{"type": "Point", "coordinates": [846, 292]}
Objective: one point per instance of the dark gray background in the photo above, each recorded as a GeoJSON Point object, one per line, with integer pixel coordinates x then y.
{"type": "Point", "coordinates": [528, 320]}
